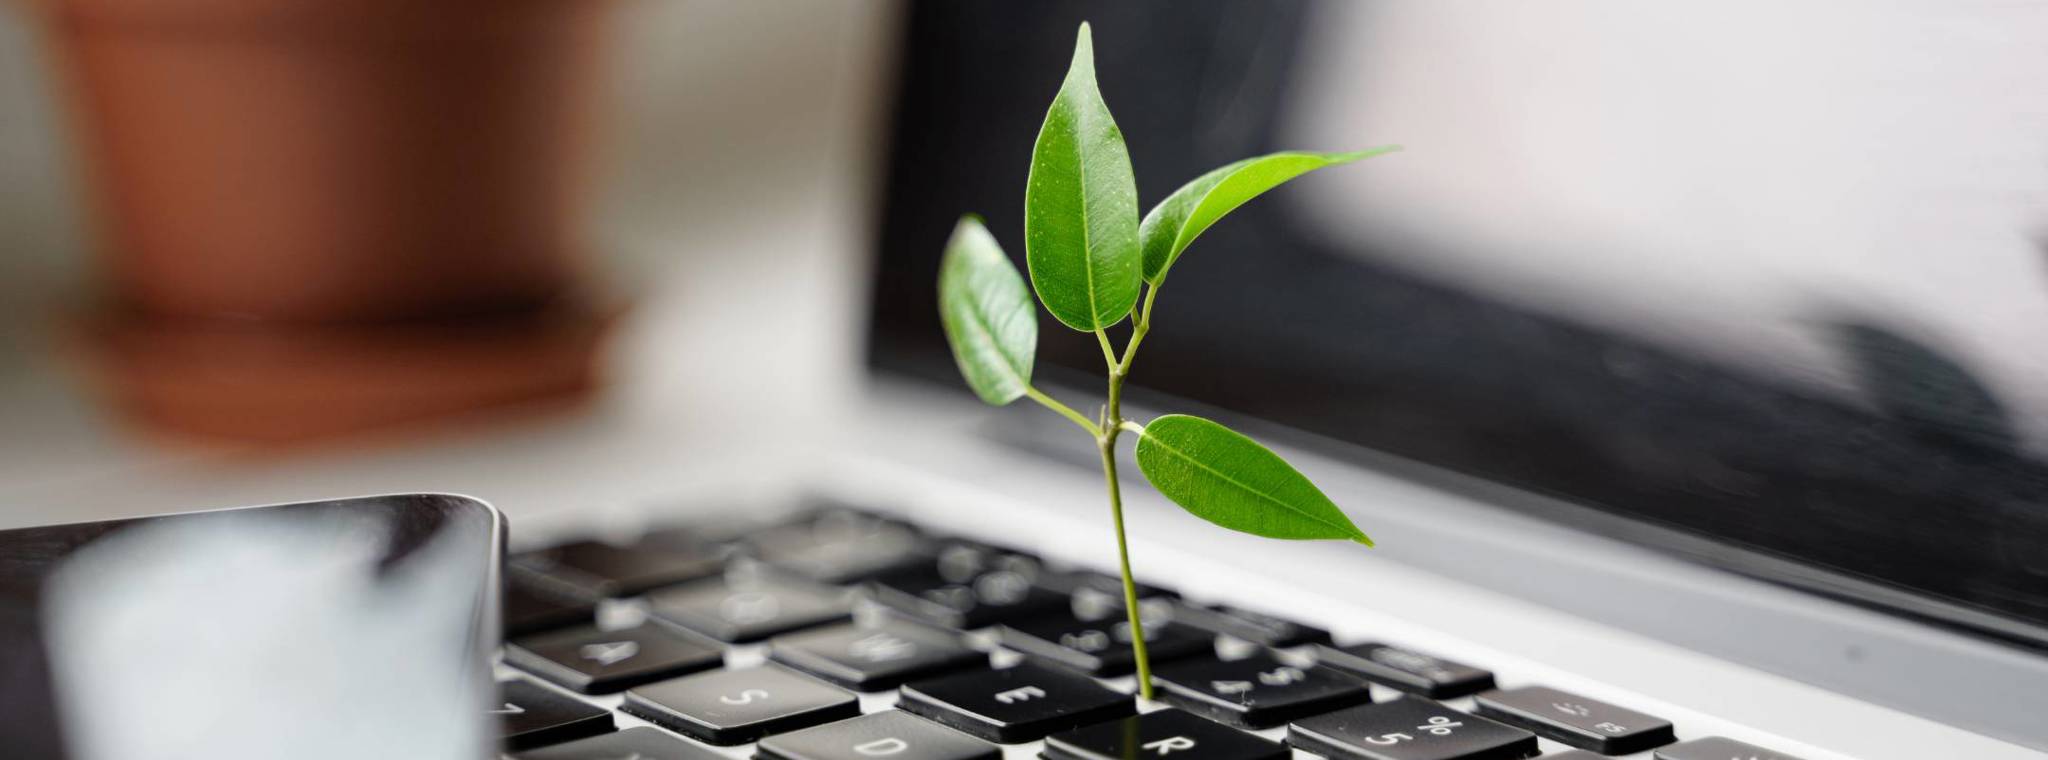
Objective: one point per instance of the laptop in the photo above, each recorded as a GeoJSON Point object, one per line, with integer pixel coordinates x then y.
{"type": "Point", "coordinates": [1659, 464]}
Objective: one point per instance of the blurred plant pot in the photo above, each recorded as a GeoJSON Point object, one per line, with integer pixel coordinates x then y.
{"type": "Point", "coordinates": [331, 160]}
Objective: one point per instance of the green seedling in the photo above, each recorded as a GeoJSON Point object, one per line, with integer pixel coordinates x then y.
{"type": "Point", "coordinates": [1093, 264]}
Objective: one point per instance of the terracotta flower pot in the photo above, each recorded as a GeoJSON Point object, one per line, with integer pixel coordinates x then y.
{"type": "Point", "coordinates": [331, 160]}
{"type": "Point", "coordinates": [322, 217]}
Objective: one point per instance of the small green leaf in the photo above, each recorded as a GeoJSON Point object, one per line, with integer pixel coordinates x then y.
{"type": "Point", "coordinates": [1228, 479]}
{"type": "Point", "coordinates": [987, 314]}
{"type": "Point", "coordinates": [1178, 220]}
{"type": "Point", "coordinates": [1081, 206]}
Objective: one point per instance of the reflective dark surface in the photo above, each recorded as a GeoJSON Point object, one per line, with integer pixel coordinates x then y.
{"type": "Point", "coordinates": [401, 525]}
{"type": "Point", "coordinates": [1911, 491]}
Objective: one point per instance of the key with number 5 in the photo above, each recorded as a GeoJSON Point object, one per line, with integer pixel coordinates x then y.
{"type": "Point", "coordinates": [729, 707]}
{"type": "Point", "coordinates": [1410, 728]}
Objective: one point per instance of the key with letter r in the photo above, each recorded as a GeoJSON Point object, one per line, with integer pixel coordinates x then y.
{"type": "Point", "coordinates": [1162, 735]}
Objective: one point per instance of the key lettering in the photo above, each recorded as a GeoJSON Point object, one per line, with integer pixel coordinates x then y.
{"type": "Point", "coordinates": [746, 697]}
{"type": "Point", "coordinates": [882, 647]}
{"type": "Point", "coordinates": [1019, 694]}
{"type": "Point", "coordinates": [749, 607]}
{"type": "Point", "coordinates": [1173, 744]}
{"type": "Point", "coordinates": [882, 747]}
{"type": "Point", "coordinates": [610, 653]}
{"type": "Point", "coordinates": [1282, 676]}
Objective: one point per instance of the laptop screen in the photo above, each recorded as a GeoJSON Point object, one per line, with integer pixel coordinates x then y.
{"type": "Point", "coordinates": [1770, 276]}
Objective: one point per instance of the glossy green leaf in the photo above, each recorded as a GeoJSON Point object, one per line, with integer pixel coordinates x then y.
{"type": "Point", "coordinates": [987, 314]}
{"type": "Point", "coordinates": [1232, 481]}
{"type": "Point", "coordinates": [1184, 215]}
{"type": "Point", "coordinates": [1081, 206]}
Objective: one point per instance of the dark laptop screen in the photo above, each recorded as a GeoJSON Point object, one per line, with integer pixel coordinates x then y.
{"type": "Point", "coordinates": [1771, 282]}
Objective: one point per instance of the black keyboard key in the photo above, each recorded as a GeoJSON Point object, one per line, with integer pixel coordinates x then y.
{"type": "Point", "coordinates": [528, 610]}
{"type": "Point", "coordinates": [1717, 748]}
{"type": "Point", "coordinates": [1102, 647]}
{"type": "Point", "coordinates": [727, 707]}
{"type": "Point", "coordinates": [891, 734]}
{"type": "Point", "coordinates": [597, 570]}
{"type": "Point", "coordinates": [636, 743]}
{"type": "Point", "coordinates": [1577, 721]}
{"type": "Point", "coordinates": [1016, 704]}
{"type": "Point", "coordinates": [841, 546]}
{"type": "Point", "coordinates": [975, 601]}
{"type": "Point", "coordinates": [744, 608]}
{"type": "Point", "coordinates": [1407, 670]}
{"type": "Point", "coordinates": [1575, 754]}
{"type": "Point", "coordinates": [1164, 733]}
{"type": "Point", "coordinates": [601, 662]}
{"type": "Point", "coordinates": [1409, 729]}
{"type": "Point", "coordinates": [1255, 627]}
{"type": "Point", "coordinates": [960, 560]}
{"type": "Point", "coordinates": [1107, 584]}
{"type": "Point", "coordinates": [1256, 692]}
{"type": "Point", "coordinates": [871, 658]}
{"type": "Point", "coordinates": [530, 715]}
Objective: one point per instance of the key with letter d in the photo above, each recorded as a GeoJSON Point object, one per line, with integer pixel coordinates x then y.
{"type": "Point", "coordinates": [893, 734]}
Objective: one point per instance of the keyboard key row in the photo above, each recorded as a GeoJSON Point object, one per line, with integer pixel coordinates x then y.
{"type": "Point", "coordinates": [795, 586]}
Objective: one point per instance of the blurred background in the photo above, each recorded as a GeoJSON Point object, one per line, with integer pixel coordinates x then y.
{"type": "Point", "coordinates": [1771, 274]}
{"type": "Point", "coordinates": [711, 172]}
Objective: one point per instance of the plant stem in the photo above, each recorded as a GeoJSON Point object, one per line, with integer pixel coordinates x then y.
{"type": "Point", "coordinates": [1123, 557]}
{"type": "Point", "coordinates": [1065, 411]}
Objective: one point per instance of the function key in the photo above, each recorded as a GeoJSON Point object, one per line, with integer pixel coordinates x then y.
{"type": "Point", "coordinates": [841, 546]}
{"type": "Point", "coordinates": [1016, 704]}
{"type": "Point", "coordinates": [1258, 691]}
{"type": "Point", "coordinates": [871, 658]}
{"type": "Point", "coordinates": [743, 607]}
{"type": "Point", "coordinates": [528, 609]}
{"type": "Point", "coordinates": [1411, 728]}
{"type": "Point", "coordinates": [595, 661]}
{"type": "Point", "coordinates": [529, 715]}
{"type": "Point", "coordinates": [1577, 721]}
{"type": "Point", "coordinates": [727, 707]}
{"type": "Point", "coordinates": [1101, 647]}
{"type": "Point", "coordinates": [1717, 748]}
{"type": "Point", "coordinates": [636, 743]}
{"type": "Point", "coordinates": [973, 601]}
{"type": "Point", "coordinates": [891, 734]}
{"type": "Point", "coordinates": [1406, 669]}
{"type": "Point", "coordinates": [1255, 627]}
{"type": "Point", "coordinates": [1158, 734]}
{"type": "Point", "coordinates": [596, 570]}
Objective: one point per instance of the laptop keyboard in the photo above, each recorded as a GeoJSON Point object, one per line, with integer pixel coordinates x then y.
{"type": "Point", "coordinates": [845, 635]}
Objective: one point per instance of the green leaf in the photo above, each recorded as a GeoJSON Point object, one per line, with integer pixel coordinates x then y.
{"type": "Point", "coordinates": [987, 314]}
{"type": "Point", "coordinates": [1184, 215]}
{"type": "Point", "coordinates": [1081, 206]}
{"type": "Point", "coordinates": [1228, 479]}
